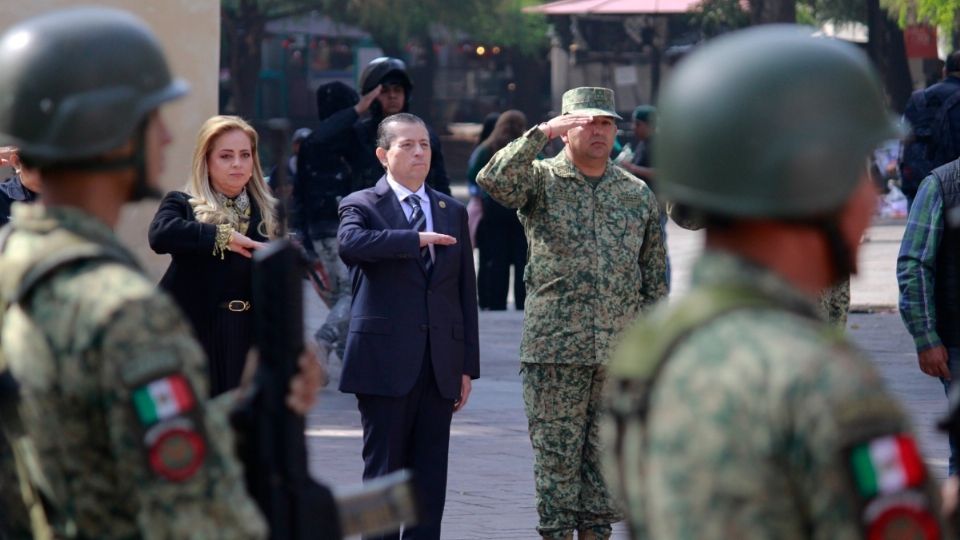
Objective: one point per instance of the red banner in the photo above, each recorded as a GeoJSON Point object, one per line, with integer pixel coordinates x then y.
{"type": "Point", "coordinates": [920, 41]}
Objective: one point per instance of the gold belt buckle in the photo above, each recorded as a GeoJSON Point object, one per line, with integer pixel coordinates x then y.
{"type": "Point", "coordinates": [238, 305]}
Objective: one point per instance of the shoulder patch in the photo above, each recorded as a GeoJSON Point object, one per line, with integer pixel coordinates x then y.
{"type": "Point", "coordinates": [890, 484]}
{"type": "Point", "coordinates": [168, 416]}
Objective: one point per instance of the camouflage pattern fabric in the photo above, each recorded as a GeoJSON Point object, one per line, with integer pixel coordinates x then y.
{"type": "Point", "coordinates": [596, 260]}
{"type": "Point", "coordinates": [756, 427]}
{"type": "Point", "coordinates": [596, 256]}
{"type": "Point", "coordinates": [562, 403]}
{"type": "Point", "coordinates": [835, 304]}
{"type": "Point", "coordinates": [587, 100]}
{"type": "Point", "coordinates": [90, 347]}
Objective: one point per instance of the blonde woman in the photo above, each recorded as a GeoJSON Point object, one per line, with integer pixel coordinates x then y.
{"type": "Point", "coordinates": [211, 229]}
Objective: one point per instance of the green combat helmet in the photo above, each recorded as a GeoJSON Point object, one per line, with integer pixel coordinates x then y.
{"type": "Point", "coordinates": [78, 83]}
{"type": "Point", "coordinates": [769, 122]}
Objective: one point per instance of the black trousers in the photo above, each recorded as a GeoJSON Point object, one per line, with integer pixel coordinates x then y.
{"type": "Point", "coordinates": [411, 432]}
{"type": "Point", "coordinates": [503, 245]}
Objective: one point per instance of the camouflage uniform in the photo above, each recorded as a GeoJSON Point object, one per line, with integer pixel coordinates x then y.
{"type": "Point", "coordinates": [93, 347]}
{"type": "Point", "coordinates": [835, 304]}
{"type": "Point", "coordinates": [596, 259]}
{"type": "Point", "coordinates": [737, 411]}
{"type": "Point", "coordinates": [778, 403]}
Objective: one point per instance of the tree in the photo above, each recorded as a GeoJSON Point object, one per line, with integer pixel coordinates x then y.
{"type": "Point", "coordinates": [396, 24]}
{"type": "Point", "coordinates": [243, 23]}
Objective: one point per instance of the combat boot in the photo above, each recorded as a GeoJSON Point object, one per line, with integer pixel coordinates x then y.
{"type": "Point", "coordinates": [589, 534]}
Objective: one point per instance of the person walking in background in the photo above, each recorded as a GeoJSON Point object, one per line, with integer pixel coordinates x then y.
{"type": "Point", "coordinates": [394, 95]}
{"type": "Point", "coordinates": [504, 243]}
{"type": "Point", "coordinates": [211, 230]}
{"type": "Point", "coordinates": [736, 411]}
{"type": "Point", "coordinates": [412, 349]}
{"type": "Point", "coordinates": [928, 274]}
{"type": "Point", "coordinates": [325, 178]}
{"type": "Point", "coordinates": [596, 262]}
{"type": "Point", "coordinates": [23, 187]}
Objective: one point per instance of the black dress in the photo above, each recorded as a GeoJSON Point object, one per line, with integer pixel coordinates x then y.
{"type": "Point", "coordinates": [213, 292]}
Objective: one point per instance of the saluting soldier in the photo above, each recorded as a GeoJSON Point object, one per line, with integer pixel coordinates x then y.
{"type": "Point", "coordinates": [113, 433]}
{"type": "Point", "coordinates": [596, 261]}
{"type": "Point", "coordinates": [737, 411]}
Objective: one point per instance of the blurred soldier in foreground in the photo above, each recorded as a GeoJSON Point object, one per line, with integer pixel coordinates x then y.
{"type": "Point", "coordinates": [737, 412]}
{"type": "Point", "coordinates": [113, 436]}
{"type": "Point", "coordinates": [596, 260]}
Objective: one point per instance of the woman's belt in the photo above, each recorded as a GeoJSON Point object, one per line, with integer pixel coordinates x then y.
{"type": "Point", "coordinates": [236, 305]}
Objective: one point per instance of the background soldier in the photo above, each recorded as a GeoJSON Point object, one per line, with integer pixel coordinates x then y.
{"type": "Point", "coordinates": [390, 74]}
{"type": "Point", "coordinates": [112, 384]}
{"type": "Point", "coordinates": [596, 260]}
{"type": "Point", "coordinates": [737, 412]}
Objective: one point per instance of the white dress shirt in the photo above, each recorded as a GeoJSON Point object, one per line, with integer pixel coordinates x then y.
{"type": "Point", "coordinates": [402, 193]}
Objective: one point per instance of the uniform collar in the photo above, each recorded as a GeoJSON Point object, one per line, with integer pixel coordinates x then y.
{"type": "Point", "coordinates": [562, 166]}
{"type": "Point", "coordinates": [38, 218]}
{"type": "Point", "coordinates": [719, 268]}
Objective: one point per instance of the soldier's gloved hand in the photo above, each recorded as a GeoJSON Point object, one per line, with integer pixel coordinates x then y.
{"type": "Point", "coordinates": [367, 99]}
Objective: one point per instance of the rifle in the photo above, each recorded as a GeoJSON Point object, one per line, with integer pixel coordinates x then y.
{"type": "Point", "coordinates": [272, 443]}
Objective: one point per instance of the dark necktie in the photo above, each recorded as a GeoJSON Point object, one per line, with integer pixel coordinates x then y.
{"type": "Point", "coordinates": [418, 222]}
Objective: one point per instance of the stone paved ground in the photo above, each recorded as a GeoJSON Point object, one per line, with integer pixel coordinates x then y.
{"type": "Point", "coordinates": [490, 492]}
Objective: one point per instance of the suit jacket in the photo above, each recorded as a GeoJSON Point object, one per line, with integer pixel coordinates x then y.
{"type": "Point", "coordinates": [398, 308]}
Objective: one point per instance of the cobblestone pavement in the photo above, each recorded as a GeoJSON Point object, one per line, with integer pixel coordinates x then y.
{"type": "Point", "coordinates": [490, 489]}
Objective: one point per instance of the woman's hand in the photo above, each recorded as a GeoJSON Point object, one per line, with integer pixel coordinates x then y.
{"type": "Point", "coordinates": [242, 245]}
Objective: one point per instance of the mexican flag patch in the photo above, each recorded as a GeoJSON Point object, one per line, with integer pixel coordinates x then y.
{"type": "Point", "coordinates": [163, 398]}
{"type": "Point", "coordinates": [886, 465]}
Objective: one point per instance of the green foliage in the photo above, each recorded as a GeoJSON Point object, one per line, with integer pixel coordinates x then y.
{"type": "Point", "coordinates": [941, 13]}
{"type": "Point", "coordinates": [394, 22]}
{"type": "Point", "coordinates": [836, 10]}
{"type": "Point", "coordinates": [715, 17]}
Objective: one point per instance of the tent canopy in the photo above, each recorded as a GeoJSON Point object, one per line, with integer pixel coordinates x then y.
{"type": "Point", "coordinates": [613, 7]}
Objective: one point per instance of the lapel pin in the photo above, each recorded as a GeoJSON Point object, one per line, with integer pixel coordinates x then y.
{"type": "Point", "coordinates": [443, 204]}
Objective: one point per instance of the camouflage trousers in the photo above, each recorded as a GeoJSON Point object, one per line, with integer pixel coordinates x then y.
{"type": "Point", "coordinates": [835, 303]}
{"type": "Point", "coordinates": [562, 403]}
{"type": "Point", "coordinates": [333, 332]}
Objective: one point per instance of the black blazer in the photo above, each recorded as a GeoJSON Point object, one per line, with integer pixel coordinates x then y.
{"type": "Point", "coordinates": [397, 308]}
{"type": "Point", "coordinates": [198, 280]}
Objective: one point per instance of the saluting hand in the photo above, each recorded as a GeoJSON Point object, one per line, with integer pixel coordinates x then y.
{"type": "Point", "coordinates": [427, 238]}
{"type": "Point", "coordinates": [367, 99]}
{"type": "Point", "coordinates": [560, 125]}
{"type": "Point", "coordinates": [243, 245]}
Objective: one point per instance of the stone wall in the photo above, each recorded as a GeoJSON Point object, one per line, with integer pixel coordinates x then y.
{"type": "Point", "coordinates": [190, 33]}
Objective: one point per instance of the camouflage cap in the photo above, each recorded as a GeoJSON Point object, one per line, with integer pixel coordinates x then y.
{"type": "Point", "coordinates": [591, 101]}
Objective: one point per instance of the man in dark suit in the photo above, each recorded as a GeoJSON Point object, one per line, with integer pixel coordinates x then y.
{"type": "Point", "coordinates": [412, 348]}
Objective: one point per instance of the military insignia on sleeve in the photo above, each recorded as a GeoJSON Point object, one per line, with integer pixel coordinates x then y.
{"type": "Point", "coordinates": [173, 438]}
{"type": "Point", "coordinates": [890, 479]}
{"type": "Point", "coordinates": [163, 398]}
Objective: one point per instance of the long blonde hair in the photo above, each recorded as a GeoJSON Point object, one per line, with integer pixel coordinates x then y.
{"type": "Point", "coordinates": [205, 205]}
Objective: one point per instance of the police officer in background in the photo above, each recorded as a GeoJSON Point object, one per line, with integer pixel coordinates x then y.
{"type": "Point", "coordinates": [113, 433]}
{"type": "Point", "coordinates": [736, 411]}
{"type": "Point", "coordinates": [390, 74]}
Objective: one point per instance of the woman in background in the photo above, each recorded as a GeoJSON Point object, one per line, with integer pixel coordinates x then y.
{"type": "Point", "coordinates": [211, 230]}
{"type": "Point", "coordinates": [501, 238]}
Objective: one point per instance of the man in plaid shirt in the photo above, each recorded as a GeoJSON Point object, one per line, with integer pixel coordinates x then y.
{"type": "Point", "coordinates": [928, 273]}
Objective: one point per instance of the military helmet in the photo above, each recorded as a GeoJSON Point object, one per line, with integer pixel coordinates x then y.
{"type": "Point", "coordinates": [383, 69]}
{"type": "Point", "coordinates": [77, 83]}
{"type": "Point", "coordinates": [769, 122]}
